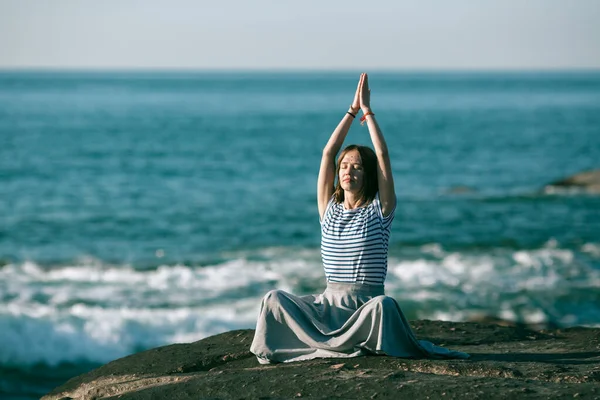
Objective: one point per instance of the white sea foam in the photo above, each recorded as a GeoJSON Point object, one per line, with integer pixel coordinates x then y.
{"type": "Point", "coordinates": [592, 249]}
{"type": "Point", "coordinates": [447, 316]}
{"type": "Point", "coordinates": [97, 312]}
{"type": "Point", "coordinates": [543, 268]}
{"type": "Point", "coordinates": [101, 334]}
{"type": "Point", "coordinates": [519, 285]}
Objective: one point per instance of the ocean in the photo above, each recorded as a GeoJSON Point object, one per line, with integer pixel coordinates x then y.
{"type": "Point", "coordinates": [139, 209]}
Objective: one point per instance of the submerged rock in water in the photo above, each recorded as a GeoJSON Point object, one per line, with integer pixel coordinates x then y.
{"type": "Point", "coordinates": [506, 362]}
{"type": "Point", "coordinates": [587, 181]}
{"type": "Point", "coordinates": [460, 189]}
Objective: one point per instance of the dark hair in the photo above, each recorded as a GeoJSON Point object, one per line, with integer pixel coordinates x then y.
{"type": "Point", "coordinates": [370, 187]}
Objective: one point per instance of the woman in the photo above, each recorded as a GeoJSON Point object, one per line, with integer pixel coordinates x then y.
{"type": "Point", "coordinates": [353, 316]}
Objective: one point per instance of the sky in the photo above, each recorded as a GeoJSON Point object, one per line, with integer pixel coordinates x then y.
{"type": "Point", "coordinates": [308, 34]}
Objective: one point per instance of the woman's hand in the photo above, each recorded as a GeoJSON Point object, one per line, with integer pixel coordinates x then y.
{"type": "Point", "coordinates": [355, 106]}
{"type": "Point", "coordinates": [364, 93]}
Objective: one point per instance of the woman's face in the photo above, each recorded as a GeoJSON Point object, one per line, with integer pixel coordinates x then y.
{"type": "Point", "coordinates": [352, 173]}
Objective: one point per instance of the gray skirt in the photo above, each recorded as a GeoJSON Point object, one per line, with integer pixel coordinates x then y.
{"type": "Point", "coordinates": [347, 320]}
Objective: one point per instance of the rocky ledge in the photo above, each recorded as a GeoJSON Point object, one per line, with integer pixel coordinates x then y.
{"type": "Point", "coordinates": [586, 181]}
{"type": "Point", "coordinates": [507, 362]}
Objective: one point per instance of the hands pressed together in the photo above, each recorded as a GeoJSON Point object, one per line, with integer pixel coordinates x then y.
{"type": "Point", "coordinates": [327, 171]}
{"type": "Point", "coordinates": [362, 97]}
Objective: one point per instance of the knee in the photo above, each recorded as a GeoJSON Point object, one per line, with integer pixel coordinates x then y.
{"type": "Point", "coordinates": [385, 302]}
{"type": "Point", "coordinates": [274, 294]}
{"type": "Point", "coordinates": [273, 298]}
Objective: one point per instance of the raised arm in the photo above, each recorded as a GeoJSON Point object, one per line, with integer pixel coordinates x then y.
{"type": "Point", "coordinates": [385, 180]}
{"type": "Point", "coordinates": [326, 180]}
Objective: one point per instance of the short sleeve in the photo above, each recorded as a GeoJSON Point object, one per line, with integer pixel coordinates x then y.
{"type": "Point", "coordinates": [385, 221]}
{"type": "Point", "coordinates": [327, 210]}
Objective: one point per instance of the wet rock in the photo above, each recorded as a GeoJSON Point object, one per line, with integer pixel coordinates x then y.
{"type": "Point", "coordinates": [505, 363]}
{"type": "Point", "coordinates": [586, 181]}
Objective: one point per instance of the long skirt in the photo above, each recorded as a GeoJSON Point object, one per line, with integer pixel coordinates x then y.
{"type": "Point", "coordinates": [347, 320]}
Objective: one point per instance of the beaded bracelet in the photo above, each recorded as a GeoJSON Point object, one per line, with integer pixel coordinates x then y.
{"type": "Point", "coordinates": [364, 117]}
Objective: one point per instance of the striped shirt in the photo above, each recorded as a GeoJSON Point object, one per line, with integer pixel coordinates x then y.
{"type": "Point", "coordinates": [354, 243]}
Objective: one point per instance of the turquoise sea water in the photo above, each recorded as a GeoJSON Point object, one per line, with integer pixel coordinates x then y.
{"type": "Point", "coordinates": [141, 209]}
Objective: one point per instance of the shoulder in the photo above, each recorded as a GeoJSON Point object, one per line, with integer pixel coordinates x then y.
{"type": "Point", "coordinates": [376, 204]}
{"type": "Point", "coordinates": [329, 209]}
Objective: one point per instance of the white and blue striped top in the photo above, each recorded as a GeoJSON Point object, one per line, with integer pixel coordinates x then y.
{"type": "Point", "coordinates": [354, 243]}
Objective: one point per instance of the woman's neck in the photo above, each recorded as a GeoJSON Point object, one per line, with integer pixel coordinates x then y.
{"type": "Point", "coordinates": [351, 201]}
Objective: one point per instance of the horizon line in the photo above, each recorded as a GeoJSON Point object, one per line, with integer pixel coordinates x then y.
{"type": "Point", "coordinates": [295, 69]}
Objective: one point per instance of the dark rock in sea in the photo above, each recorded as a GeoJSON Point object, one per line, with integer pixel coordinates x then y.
{"type": "Point", "coordinates": [587, 181]}
{"type": "Point", "coordinates": [506, 363]}
{"type": "Point", "coordinates": [461, 189]}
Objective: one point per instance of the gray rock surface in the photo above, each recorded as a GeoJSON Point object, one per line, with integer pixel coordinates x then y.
{"type": "Point", "coordinates": [586, 181]}
{"type": "Point", "coordinates": [507, 362]}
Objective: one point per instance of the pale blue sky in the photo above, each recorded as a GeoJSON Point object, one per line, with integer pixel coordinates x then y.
{"type": "Point", "coordinates": [235, 34]}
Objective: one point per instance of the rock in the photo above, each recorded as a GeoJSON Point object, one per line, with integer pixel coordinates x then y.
{"type": "Point", "coordinates": [504, 363]}
{"type": "Point", "coordinates": [460, 189]}
{"type": "Point", "coordinates": [586, 181]}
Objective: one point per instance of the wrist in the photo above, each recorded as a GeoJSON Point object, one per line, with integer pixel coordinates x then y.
{"type": "Point", "coordinates": [366, 112]}
{"type": "Point", "coordinates": [354, 110]}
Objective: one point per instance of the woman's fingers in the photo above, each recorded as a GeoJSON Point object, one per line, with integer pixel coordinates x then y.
{"type": "Point", "coordinates": [360, 84]}
{"type": "Point", "coordinates": [356, 102]}
{"type": "Point", "coordinates": [365, 92]}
